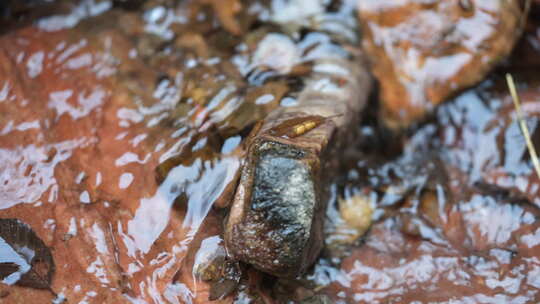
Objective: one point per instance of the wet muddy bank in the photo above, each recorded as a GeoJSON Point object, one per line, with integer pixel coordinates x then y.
{"type": "Point", "coordinates": [121, 128]}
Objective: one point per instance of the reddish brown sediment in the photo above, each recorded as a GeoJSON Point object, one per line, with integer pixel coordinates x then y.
{"type": "Point", "coordinates": [113, 153]}
{"type": "Point", "coordinates": [79, 151]}
{"type": "Point", "coordinates": [482, 246]}
{"type": "Point", "coordinates": [87, 115]}
{"type": "Point", "coordinates": [470, 231]}
{"type": "Point", "coordinates": [396, 268]}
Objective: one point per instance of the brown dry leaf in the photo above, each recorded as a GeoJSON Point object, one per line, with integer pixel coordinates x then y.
{"type": "Point", "coordinates": [19, 239]}
{"type": "Point", "coordinates": [6, 269]}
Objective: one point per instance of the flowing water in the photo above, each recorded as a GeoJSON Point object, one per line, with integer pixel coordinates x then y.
{"type": "Point", "coordinates": [120, 129]}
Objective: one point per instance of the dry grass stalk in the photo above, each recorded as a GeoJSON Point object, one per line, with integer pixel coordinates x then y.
{"type": "Point", "coordinates": [522, 124]}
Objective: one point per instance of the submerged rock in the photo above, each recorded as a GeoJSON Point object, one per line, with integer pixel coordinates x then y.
{"type": "Point", "coordinates": [277, 215]}
{"type": "Point", "coordinates": [278, 229]}
{"type": "Point", "coordinates": [425, 51]}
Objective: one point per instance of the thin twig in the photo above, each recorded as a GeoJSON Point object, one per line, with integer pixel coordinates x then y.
{"type": "Point", "coordinates": [522, 124]}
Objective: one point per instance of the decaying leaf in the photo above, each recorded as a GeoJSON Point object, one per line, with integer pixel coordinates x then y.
{"type": "Point", "coordinates": [7, 269]}
{"type": "Point", "coordinates": [24, 258]}
{"type": "Point", "coordinates": [357, 215]}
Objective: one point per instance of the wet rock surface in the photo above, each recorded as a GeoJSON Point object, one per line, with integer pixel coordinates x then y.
{"type": "Point", "coordinates": [121, 130]}
{"type": "Point", "coordinates": [86, 118]}
{"type": "Point", "coordinates": [449, 224]}
{"type": "Point", "coordinates": [424, 52]}
{"type": "Point", "coordinates": [279, 229]}
{"type": "Point", "coordinates": [277, 214]}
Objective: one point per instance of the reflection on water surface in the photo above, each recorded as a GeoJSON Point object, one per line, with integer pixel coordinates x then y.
{"type": "Point", "coordinates": [120, 129]}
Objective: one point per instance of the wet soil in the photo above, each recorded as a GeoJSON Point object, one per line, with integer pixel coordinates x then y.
{"type": "Point", "coordinates": [120, 129]}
